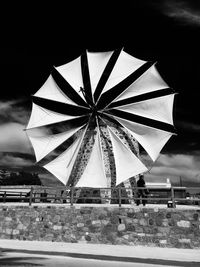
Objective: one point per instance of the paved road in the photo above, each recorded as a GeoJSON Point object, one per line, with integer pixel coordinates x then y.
{"type": "Point", "coordinates": [9, 258]}
{"type": "Point", "coordinates": [44, 253]}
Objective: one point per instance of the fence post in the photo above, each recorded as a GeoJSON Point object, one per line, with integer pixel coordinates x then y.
{"type": "Point", "coordinates": [4, 197]}
{"type": "Point", "coordinates": [31, 196]}
{"type": "Point", "coordinates": [172, 197]}
{"type": "Point", "coordinates": [71, 196]}
{"type": "Point", "coordinates": [120, 199]}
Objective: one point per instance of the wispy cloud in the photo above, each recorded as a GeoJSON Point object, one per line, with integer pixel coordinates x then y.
{"type": "Point", "coordinates": [13, 138]}
{"type": "Point", "coordinates": [175, 166]}
{"type": "Point", "coordinates": [14, 160]}
{"type": "Point", "coordinates": [13, 111]}
{"type": "Point", "coordinates": [182, 11]}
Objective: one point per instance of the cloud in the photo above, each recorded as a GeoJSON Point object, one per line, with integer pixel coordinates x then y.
{"type": "Point", "coordinates": [13, 138]}
{"type": "Point", "coordinates": [12, 161]}
{"type": "Point", "coordinates": [182, 11]}
{"type": "Point", "coordinates": [175, 166]}
{"type": "Point", "coordinates": [186, 125]}
{"type": "Point", "coordinates": [13, 111]}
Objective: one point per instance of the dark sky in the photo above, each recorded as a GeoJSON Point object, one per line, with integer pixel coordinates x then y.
{"type": "Point", "coordinates": [37, 37]}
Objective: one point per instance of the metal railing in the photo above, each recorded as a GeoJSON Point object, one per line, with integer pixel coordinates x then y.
{"type": "Point", "coordinates": [171, 196]}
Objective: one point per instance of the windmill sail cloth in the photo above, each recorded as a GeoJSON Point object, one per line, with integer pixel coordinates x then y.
{"type": "Point", "coordinates": [125, 65]}
{"type": "Point", "coordinates": [97, 63]}
{"type": "Point", "coordinates": [50, 90]}
{"type": "Point", "coordinates": [94, 173]}
{"type": "Point", "coordinates": [62, 166]}
{"type": "Point", "coordinates": [151, 139]}
{"type": "Point", "coordinates": [95, 86]}
{"type": "Point", "coordinates": [159, 108]}
{"type": "Point", "coordinates": [148, 82]}
{"type": "Point", "coordinates": [45, 144]}
{"type": "Point", "coordinates": [126, 162]}
{"type": "Point", "coordinates": [72, 73]}
{"type": "Point", "coordinates": [42, 117]}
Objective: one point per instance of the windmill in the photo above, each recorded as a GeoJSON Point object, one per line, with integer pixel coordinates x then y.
{"type": "Point", "coordinates": [96, 99]}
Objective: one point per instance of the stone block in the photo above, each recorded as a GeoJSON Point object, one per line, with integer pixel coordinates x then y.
{"type": "Point", "coordinates": [8, 219]}
{"type": "Point", "coordinates": [195, 216]}
{"type": "Point", "coordinates": [121, 227]}
{"type": "Point", "coordinates": [57, 227]}
{"type": "Point", "coordinates": [183, 223]}
{"type": "Point", "coordinates": [80, 225]}
{"type": "Point", "coordinates": [130, 227]}
{"type": "Point", "coordinates": [126, 237]}
{"type": "Point", "coordinates": [143, 222]}
{"type": "Point", "coordinates": [15, 232]}
{"type": "Point", "coordinates": [184, 240]}
{"type": "Point", "coordinates": [163, 241]}
{"type": "Point", "coordinates": [96, 223]}
{"type": "Point", "coordinates": [8, 231]}
{"type": "Point", "coordinates": [151, 221]}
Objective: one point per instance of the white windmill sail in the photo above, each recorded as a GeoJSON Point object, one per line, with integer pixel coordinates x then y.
{"type": "Point", "coordinates": [50, 90]}
{"type": "Point", "coordinates": [159, 108]}
{"type": "Point", "coordinates": [151, 139]}
{"type": "Point", "coordinates": [43, 145]}
{"type": "Point", "coordinates": [42, 116]}
{"type": "Point", "coordinates": [124, 66]}
{"type": "Point", "coordinates": [97, 63]}
{"type": "Point", "coordinates": [148, 82]}
{"type": "Point", "coordinates": [61, 166]}
{"type": "Point", "coordinates": [126, 163]}
{"type": "Point", "coordinates": [72, 73]}
{"type": "Point", "coordinates": [94, 173]}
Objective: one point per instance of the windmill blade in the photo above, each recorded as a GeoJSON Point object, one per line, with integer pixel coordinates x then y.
{"type": "Point", "coordinates": [106, 73]}
{"type": "Point", "coordinates": [114, 92]}
{"type": "Point", "coordinates": [60, 107]}
{"type": "Point", "coordinates": [72, 73]}
{"type": "Point", "coordinates": [42, 117]}
{"type": "Point", "coordinates": [142, 120]}
{"type": "Point", "coordinates": [67, 89]}
{"type": "Point", "coordinates": [97, 63]}
{"type": "Point", "coordinates": [159, 108]}
{"type": "Point", "coordinates": [149, 81]}
{"type": "Point", "coordinates": [94, 173]}
{"type": "Point", "coordinates": [127, 164]}
{"type": "Point", "coordinates": [87, 90]}
{"type": "Point", "coordinates": [143, 97]}
{"type": "Point", "coordinates": [43, 145]}
{"type": "Point", "coordinates": [125, 64]}
{"type": "Point", "coordinates": [51, 91]}
{"type": "Point", "coordinates": [151, 139]}
{"type": "Point", "coordinates": [61, 166]}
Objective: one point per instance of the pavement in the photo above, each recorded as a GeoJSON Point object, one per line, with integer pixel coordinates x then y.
{"type": "Point", "coordinates": [121, 253]}
{"type": "Point", "coordinates": [106, 205]}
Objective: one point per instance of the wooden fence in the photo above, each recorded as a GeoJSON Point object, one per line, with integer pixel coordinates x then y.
{"type": "Point", "coordinates": [117, 195]}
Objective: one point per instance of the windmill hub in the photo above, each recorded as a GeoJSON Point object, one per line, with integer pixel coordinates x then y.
{"type": "Point", "coordinates": [94, 111]}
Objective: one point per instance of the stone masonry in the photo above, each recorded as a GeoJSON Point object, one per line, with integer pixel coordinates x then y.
{"type": "Point", "coordinates": [106, 225]}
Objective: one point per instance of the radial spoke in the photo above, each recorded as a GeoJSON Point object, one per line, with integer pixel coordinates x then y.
{"type": "Point", "coordinates": [142, 120]}
{"type": "Point", "coordinates": [87, 90]}
{"type": "Point", "coordinates": [67, 88]}
{"type": "Point", "coordinates": [59, 107]}
{"type": "Point", "coordinates": [107, 97]}
{"type": "Point", "coordinates": [106, 73]}
{"type": "Point", "coordinates": [143, 97]}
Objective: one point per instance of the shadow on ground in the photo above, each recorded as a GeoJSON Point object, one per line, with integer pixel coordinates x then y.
{"type": "Point", "coordinates": [18, 261]}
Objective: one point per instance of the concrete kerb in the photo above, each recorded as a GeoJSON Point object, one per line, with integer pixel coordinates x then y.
{"type": "Point", "coordinates": [101, 251]}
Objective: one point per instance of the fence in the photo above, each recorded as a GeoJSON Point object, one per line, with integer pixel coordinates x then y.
{"type": "Point", "coordinates": [171, 196]}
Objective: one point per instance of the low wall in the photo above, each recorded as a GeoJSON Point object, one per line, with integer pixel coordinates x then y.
{"type": "Point", "coordinates": [163, 227]}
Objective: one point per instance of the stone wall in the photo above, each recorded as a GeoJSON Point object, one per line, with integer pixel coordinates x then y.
{"type": "Point", "coordinates": [107, 225]}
